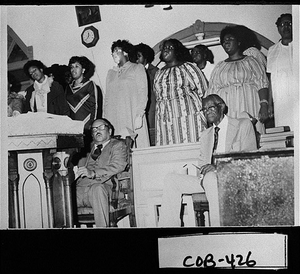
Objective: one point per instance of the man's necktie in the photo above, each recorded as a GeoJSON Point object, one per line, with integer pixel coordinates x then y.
{"type": "Point", "coordinates": [96, 152]}
{"type": "Point", "coordinates": [216, 138]}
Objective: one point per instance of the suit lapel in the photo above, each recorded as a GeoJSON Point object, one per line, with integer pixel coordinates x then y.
{"type": "Point", "coordinates": [231, 133]}
{"type": "Point", "coordinates": [105, 153]}
{"type": "Point", "coordinates": [206, 146]}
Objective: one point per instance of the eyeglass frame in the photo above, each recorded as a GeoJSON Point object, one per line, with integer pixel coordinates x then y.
{"type": "Point", "coordinates": [116, 51]}
{"type": "Point", "coordinates": [213, 108]}
{"type": "Point", "coordinates": [169, 47]}
{"type": "Point", "coordinates": [100, 127]}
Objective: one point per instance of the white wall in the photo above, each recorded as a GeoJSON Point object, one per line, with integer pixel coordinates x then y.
{"type": "Point", "coordinates": [55, 36]}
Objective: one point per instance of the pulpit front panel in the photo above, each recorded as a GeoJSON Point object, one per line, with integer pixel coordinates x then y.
{"type": "Point", "coordinates": [32, 191]}
{"type": "Point", "coordinates": [150, 166]}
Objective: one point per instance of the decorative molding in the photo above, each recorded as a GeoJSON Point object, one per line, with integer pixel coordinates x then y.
{"type": "Point", "coordinates": [31, 142]}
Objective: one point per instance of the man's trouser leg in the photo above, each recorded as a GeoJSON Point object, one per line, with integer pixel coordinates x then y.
{"type": "Point", "coordinates": [175, 185]}
{"type": "Point", "coordinates": [210, 185]}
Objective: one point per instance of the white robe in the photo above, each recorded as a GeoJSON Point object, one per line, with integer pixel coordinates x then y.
{"type": "Point", "coordinates": [280, 65]}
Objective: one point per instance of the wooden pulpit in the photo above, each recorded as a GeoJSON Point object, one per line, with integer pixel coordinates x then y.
{"type": "Point", "coordinates": [40, 173]}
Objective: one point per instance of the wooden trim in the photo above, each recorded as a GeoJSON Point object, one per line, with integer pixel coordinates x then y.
{"type": "Point", "coordinates": [20, 43]}
{"type": "Point", "coordinates": [210, 30]}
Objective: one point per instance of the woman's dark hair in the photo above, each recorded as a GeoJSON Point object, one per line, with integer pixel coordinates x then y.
{"type": "Point", "coordinates": [59, 73]}
{"type": "Point", "coordinates": [126, 46]}
{"type": "Point", "coordinates": [33, 63]}
{"type": "Point", "coordinates": [85, 63]}
{"type": "Point", "coordinates": [181, 52]}
{"type": "Point", "coordinates": [288, 15]}
{"type": "Point", "coordinates": [232, 30]}
{"type": "Point", "coordinates": [248, 38]}
{"type": "Point", "coordinates": [146, 51]}
{"type": "Point", "coordinates": [206, 53]}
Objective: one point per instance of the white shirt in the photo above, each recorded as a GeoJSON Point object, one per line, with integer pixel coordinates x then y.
{"type": "Point", "coordinates": [40, 94]}
{"type": "Point", "coordinates": [103, 145]}
{"type": "Point", "coordinates": [222, 135]}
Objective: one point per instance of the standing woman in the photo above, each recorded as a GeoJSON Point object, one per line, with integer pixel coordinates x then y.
{"type": "Point", "coordinates": [201, 55]}
{"type": "Point", "coordinates": [240, 80]}
{"type": "Point", "coordinates": [127, 94]}
{"type": "Point", "coordinates": [82, 95]}
{"type": "Point", "coordinates": [145, 56]}
{"type": "Point", "coordinates": [179, 87]}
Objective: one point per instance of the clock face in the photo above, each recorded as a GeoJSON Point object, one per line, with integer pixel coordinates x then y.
{"type": "Point", "coordinates": [88, 36]}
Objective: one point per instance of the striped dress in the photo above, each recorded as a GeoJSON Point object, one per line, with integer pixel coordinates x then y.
{"type": "Point", "coordinates": [179, 91]}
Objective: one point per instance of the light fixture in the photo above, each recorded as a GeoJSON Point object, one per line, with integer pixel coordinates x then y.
{"type": "Point", "coordinates": [164, 7]}
{"type": "Point", "coordinates": [167, 7]}
{"type": "Point", "coordinates": [207, 42]}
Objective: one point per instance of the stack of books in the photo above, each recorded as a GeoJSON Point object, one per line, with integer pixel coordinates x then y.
{"type": "Point", "coordinates": [276, 137]}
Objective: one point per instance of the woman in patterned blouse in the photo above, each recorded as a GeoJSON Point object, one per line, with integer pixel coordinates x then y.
{"type": "Point", "coordinates": [179, 87]}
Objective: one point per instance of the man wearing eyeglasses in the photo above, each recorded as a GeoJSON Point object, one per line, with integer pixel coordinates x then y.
{"type": "Point", "coordinates": [233, 135]}
{"type": "Point", "coordinates": [280, 69]}
{"type": "Point", "coordinates": [108, 157]}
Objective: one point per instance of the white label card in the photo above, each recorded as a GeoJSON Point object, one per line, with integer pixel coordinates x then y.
{"type": "Point", "coordinates": [224, 250]}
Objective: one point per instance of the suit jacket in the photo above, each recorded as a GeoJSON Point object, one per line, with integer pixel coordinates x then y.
{"type": "Point", "coordinates": [240, 137]}
{"type": "Point", "coordinates": [112, 160]}
{"type": "Point", "coordinates": [56, 100]}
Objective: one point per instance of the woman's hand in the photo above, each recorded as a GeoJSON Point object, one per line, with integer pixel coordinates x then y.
{"type": "Point", "coordinates": [138, 122]}
{"type": "Point", "coordinates": [15, 113]}
{"type": "Point", "coordinates": [270, 110]}
{"type": "Point", "coordinates": [263, 114]}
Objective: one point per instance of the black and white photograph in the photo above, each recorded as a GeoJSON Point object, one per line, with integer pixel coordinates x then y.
{"type": "Point", "coordinates": [87, 15]}
{"type": "Point", "coordinates": [167, 134]}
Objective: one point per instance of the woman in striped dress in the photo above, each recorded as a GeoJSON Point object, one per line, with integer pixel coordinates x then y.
{"type": "Point", "coordinates": [179, 87]}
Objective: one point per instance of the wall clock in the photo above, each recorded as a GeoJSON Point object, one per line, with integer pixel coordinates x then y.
{"type": "Point", "coordinates": [90, 36]}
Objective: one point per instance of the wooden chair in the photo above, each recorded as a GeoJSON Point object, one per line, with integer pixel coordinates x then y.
{"type": "Point", "coordinates": [121, 200]}
{"type": "Point", "coordinates": [200, 205]}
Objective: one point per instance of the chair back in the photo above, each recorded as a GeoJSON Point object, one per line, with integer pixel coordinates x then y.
{"type": "Point", "coordinates": [122, 200]}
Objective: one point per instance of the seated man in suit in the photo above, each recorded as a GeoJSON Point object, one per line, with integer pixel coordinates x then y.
{"type": "Point", "coordinates": [93, 188]}
{"type": "Point", "coordinates": [233, 135]}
